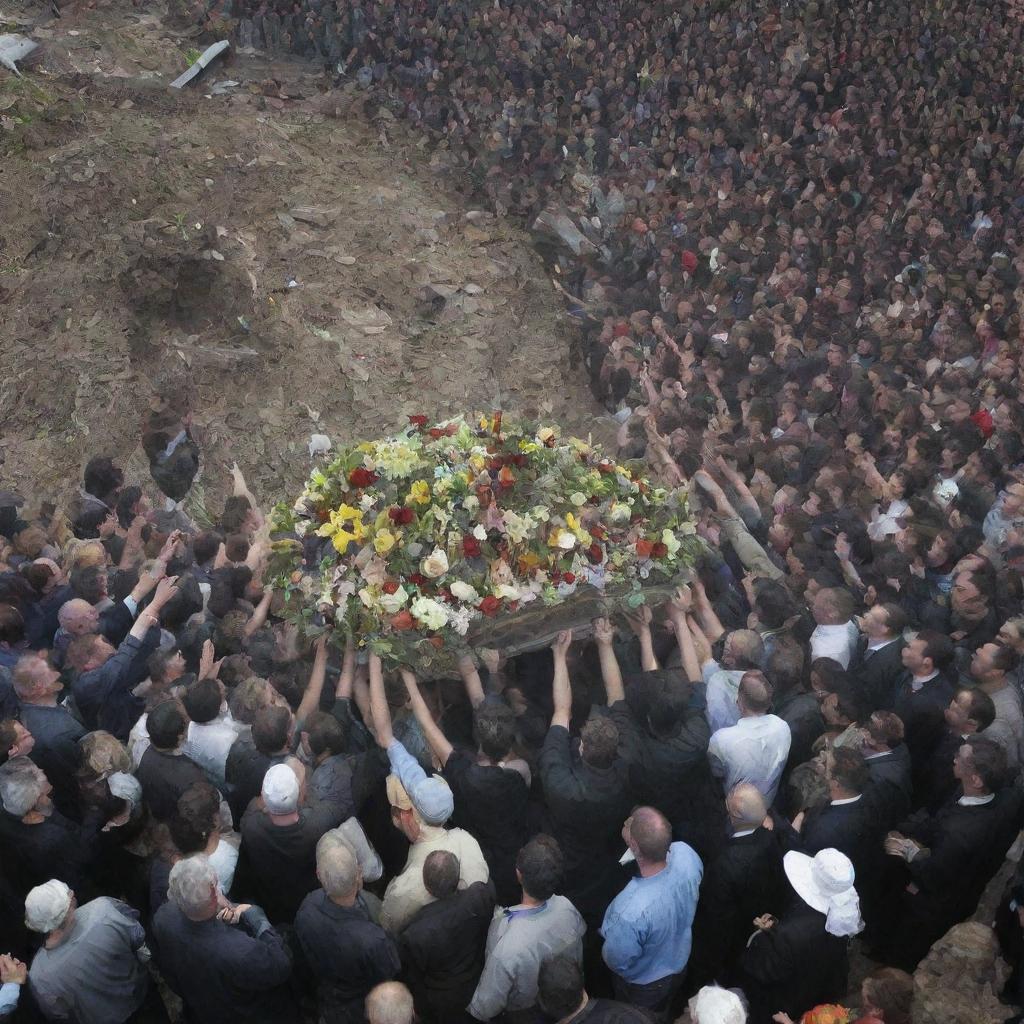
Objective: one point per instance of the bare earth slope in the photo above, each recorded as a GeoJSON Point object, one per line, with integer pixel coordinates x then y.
{"type": "Point", "coordinates": [296, 272]}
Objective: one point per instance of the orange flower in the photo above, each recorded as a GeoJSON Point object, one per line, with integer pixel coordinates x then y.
{"type": "Point", "coordinates": [644, 548]}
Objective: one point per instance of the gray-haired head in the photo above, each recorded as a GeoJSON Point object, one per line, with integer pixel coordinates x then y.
{"type": "Point", "coordinates": [336, 866]}
{"type": "Point", "coordinates": [192, 886]}
{"type": "Point", "coordinates": [22, 785]}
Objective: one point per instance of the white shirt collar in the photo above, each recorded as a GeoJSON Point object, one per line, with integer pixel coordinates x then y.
{"type": "Point", "coordinates": [917, 682]}
{"type": "Point", "coordinates": [883, 643]}
{"type": "Point", "coordinates": [846, 800]}
{"type": "Point", "coordinates": [975, 801]}
{"type": "Point", "coordinates": [745, 832]}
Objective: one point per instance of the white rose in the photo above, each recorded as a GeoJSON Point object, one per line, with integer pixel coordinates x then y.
{"type": "Point", "coordinates": [480, 532]}
{"type": "Point", "coordinates": [465, 593]}
{"type": "Point", "coordinates": [578, 498]}
{"type": "Point", "coordinates": [392, 603]}
{"type": "Point", "coordinates": [566, 540]}
{"type": "Point", "coordinates": [435, 564]}
{"type": "Point", "coordinates": [430, 613]}
{"type": "Point", "coordinates": [367, 597]}
{"type": "Point", "coordinates": [470, 502]}
{"type": "Point", "coordinates": [503, 590]}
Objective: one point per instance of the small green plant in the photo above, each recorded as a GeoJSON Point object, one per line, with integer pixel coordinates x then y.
{"type": "Point", "coordinates": [192, 55]}
{"type": "Point", "coordinates": [179, 223]}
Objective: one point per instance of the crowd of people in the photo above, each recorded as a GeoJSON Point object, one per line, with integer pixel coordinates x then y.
{"type": "Point", "coordinates": [797, 272]}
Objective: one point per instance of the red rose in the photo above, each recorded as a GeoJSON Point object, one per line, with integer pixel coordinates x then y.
{"type": "Point", "coordinates": [451, 430]}
{"type": "Point", "coordinates": [417, 579]}
{"type": "Point", "coordinates": [595, 554]}
{"type": "Point", "coordinates": [659, 550]}
{"type": "Point", "coordinates": [390, 587]}
{"type": "Point", "coordinates": [470, 546]}
{"type": "Point", "coordinates": [436, 432]}
{"type": "Point", "coordinates": [598, 532]}
{"type": "Point", "coordinates": [517, 460]}
{"type": "Point", "coordinates": [403, 620]}
{"type": "Point", "coordinates": [506, 478]}
{"type": "Point", "coordinates": [495, 463]}
{"type": "Point", "coordinates": [418, 421]}
{"type": "Point", "coordinates": [361, 477]}
{"type": "Point", "coordinates": [436, 641]}
{"type": "Point", "coordinates": [490, 605]}
{"type": "Point", "coordinates": [400, 516]}
{"type": "Point", "coordinates": [569, 577]}
{"type": "Point", "coordinates": [644, 548]}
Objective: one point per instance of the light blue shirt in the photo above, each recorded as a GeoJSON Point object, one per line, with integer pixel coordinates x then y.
{"type": "Point", "coordinates": [648, 929]}
{"type": "Point", "coordinates": [9, 993]}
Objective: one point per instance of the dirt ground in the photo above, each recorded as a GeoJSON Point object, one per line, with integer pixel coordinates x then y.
{"type": "Point", "coordinates": [291, 263]}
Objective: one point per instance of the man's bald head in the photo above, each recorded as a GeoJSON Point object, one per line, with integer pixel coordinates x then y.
{"type": "Point", "coordinates": [78, 617]}
{"type": "Point", "coordinates": [389, 1003]}
{"type": "Point", "coordinates": [744, 649]}
{"type": "Point", "coordinates": [650, 834]}
{"type": "Point", "coordinates": [746, 806]}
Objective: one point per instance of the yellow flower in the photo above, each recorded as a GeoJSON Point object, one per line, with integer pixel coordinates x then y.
{"type": "Point", "coordinates": [577, 529]}
{"type": "Point", "coordinates": [384, 541]}
{"type": "Point", "coordinates": [344, 527]}
{"type": "Point", "coordinates": [419, 494]}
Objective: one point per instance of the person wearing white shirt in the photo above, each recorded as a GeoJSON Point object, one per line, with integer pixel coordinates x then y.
{"type": "Point", "coordinates": [755, 749]}
{"type": "Point", "coordinates": [836, 634]}
{"type": "Point", "coordinates": [211, 731]}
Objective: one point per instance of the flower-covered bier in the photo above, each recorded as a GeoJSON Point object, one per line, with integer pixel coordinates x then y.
{"type": "Point", "coordinates": [421, 543]}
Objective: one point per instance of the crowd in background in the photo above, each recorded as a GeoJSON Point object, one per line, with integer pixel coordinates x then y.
{"type": "Point", "coordinates": [791, 241]}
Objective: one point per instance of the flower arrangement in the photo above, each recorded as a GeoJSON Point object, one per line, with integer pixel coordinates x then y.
{"type": "Point", "coordinates": [826, 1014]}
{"type": "Point", "coordinates": [423, 543]}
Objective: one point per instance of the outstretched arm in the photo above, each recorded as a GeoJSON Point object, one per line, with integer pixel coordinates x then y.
{"type": "Point", "coordinates": [678, 608]}
{"type": "Point", "coordinates": [610, 672]}
{"type": "Point", "coordinates": [471, 680]}
{"type": "Point", "coordinates": [380, 713]}
{"type": "Point", "coordinates": [710, 623]}
{"type": "Point", "coordinates": [343, 691]}
{"type": "Point", "coordinates": [561, 692]}
{"type": "Point", "coordinates": [431, 730]}
{"type": "Point", "coordinates": [640, 622]}
{"type": "Point", "coordinates": [311, 698]}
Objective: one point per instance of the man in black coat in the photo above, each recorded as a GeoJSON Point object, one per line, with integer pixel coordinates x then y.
{"type": "Point", "coordinates": [743, 881]}
{"type": "Point", "coordinates": [890, 790]}
{"type": "Point", "coordinates": [442, 947]}
{"type": "Point", "coordinates": [950, 857]}
{"type": "Point", "coordinates": [969, 713]}
{"type": "Point", "coordinates": [164, 772]}
{"type": "Point", "coordinates": [345, 949]}
{"type": "Point", "coordinates": [848, 823]}
{"type": "Point", "coordinates": [587, 794]}
{"type": "Point", "coordinates": [880, 670]}
{"type": "Point", "coordinates": [923, 696]}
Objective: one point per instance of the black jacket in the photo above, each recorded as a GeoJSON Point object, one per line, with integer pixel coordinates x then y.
{"type": "Point", "coordinates": [226, 974]}
{"type": "Point", "coordinates": [587, 807]}
{"type": "Point", "coordinates": [744, 881]}
{"type": "Point", "coordinates": [890, 789]}
{"type": "Point", "coordinates": [850, 828]}
{"type": "Point", "coordinates": [57, 733]}
{"type": "Point", "coordinates": [442, 951]}
{"type": "Point", "coordinates": [924, 723]}
{"type": "Point", "coordinates": [347, 953]}
{"type": "Point", "coordinates": [880, 674]}
{"type": "Point", "coordinates": [491, 803]}
{"type": "Point", "coordinates": [793, 966]}
{"type": "Point", "coordinates": [164, 777]}
{"type": "Point", "coordinates": [966, 847]}
{"type": "Point", "coordinates": [802, 713]}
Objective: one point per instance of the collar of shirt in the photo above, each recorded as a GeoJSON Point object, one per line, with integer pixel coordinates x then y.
{"type": "Point", "coordinates": [846, 800]}
{"type": "Point", "coordinates": [514, 912]}
{"type": "Point", "coordinates": [745, 832]}
{"type": "Point", "coordinates": [917, 683]}
{"type": "Point", "coordinates": [884, 643]}
{"type": "Point", "coordinates": [975, 801]}
{"type": "Point", "coordinates": [880, 753]}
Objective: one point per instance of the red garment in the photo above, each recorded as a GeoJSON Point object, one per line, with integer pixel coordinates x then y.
{"type": "Point", "coordinates": [982, 419]}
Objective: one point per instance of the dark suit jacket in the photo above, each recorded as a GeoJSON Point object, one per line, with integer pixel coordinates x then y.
{"type": "Point", "coordinates": [442, 949]}
{"type": "Point", "coordinates": [794, 966]}
{"type": "Point", "coordinates": [853, 829]}
{"type": "Point", "coordinates": [924, 723]}
{"type": "Point", "coordinates": [966, 846]}
{"type": "Point", "coordinates": [744, 881]}
{"type": "Point", "coordinates": [890, 790]}
{"type": "Point", "coordinates": [880, 673]}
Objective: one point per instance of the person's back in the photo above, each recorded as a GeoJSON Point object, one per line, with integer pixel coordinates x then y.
{"type": "Point", "coordinates": [347, 952]}
{"type": "Point", "coordinates": [93, 974]}
{"type": "Point", "coordinates": [227, 970]}
{"type": "Point", "coordinates": [164, 772]}
{"type": "Point", "coordinates": [587, 798]}
{"type": "Point", "coordinates": [442, 946]}
{"type": "Point", "coordinates": [279, 839]}
{"type": "Point", "coordinates": [521, 938]}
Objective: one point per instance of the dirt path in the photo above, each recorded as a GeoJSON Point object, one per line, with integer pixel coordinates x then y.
{"type": "Point", "coordinates": [289, 269]}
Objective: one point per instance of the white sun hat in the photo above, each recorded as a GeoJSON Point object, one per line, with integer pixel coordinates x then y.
{"type": "Point", "coordinates": [825, 883]}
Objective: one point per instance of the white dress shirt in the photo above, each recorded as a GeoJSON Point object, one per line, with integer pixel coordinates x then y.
{"type": "Point", "coordinates": [753, 750]}
{"type": "Point", "coordinates": [835, 642]}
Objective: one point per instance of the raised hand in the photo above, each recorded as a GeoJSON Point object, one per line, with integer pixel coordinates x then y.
{"type": "Point", "coordinates": [562, 643]}
{"type": "Point", "coordinates": [603, 632]}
